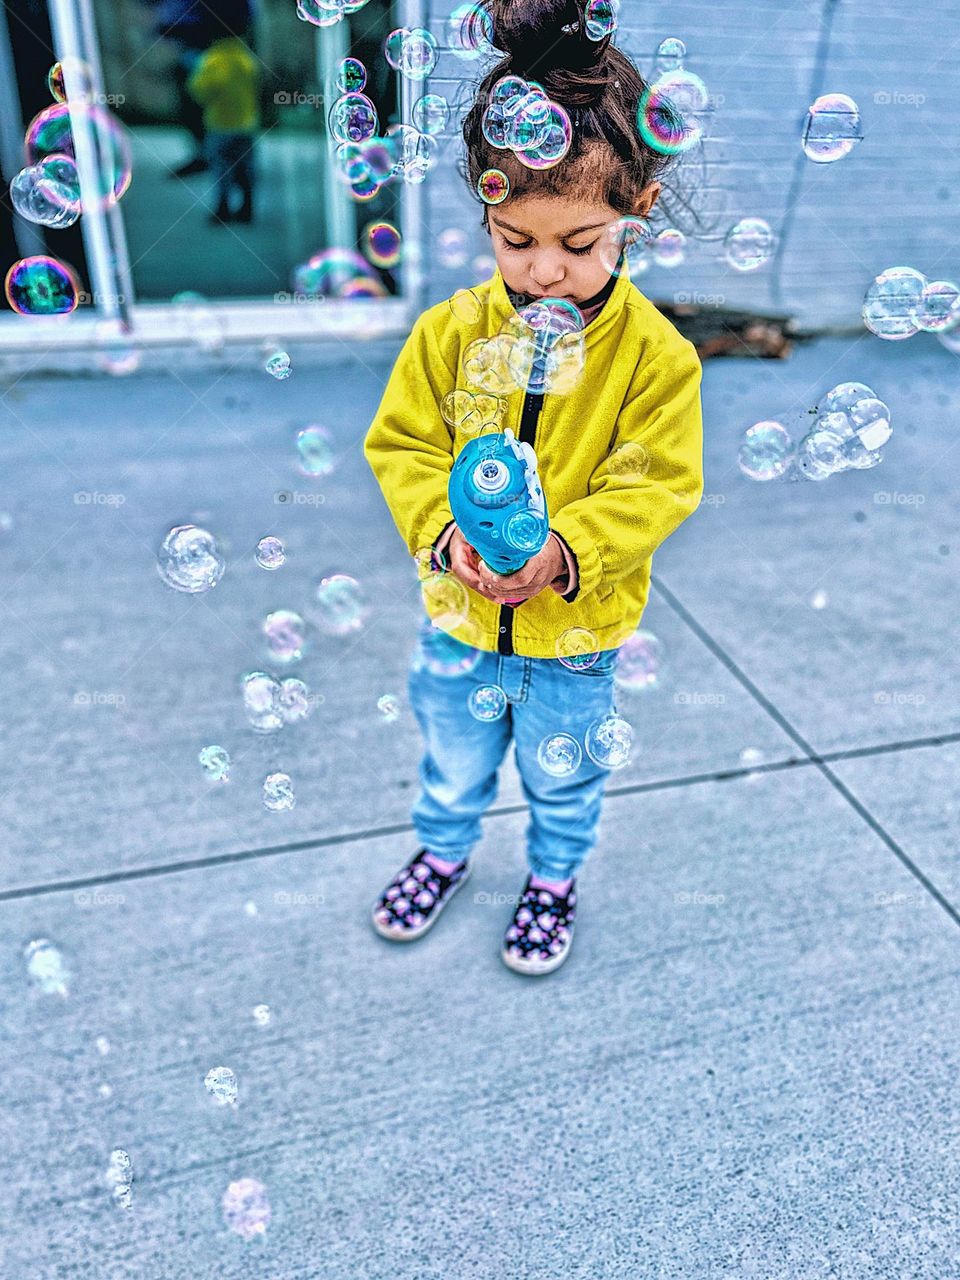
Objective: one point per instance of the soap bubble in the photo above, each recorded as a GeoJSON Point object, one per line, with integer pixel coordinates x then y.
{"type": "Point", "coordinates": [640, 662]}
{"type": "Point", "coordinates": [388, 704]}
{"type": "Point", "coordinates": [353, 117]}
{"type": "Point", "coordinates": [246, 1209]}
{"type": "Point", "coordinates": [673, 112]}
{"type": "Point", "coordinates": [608, 741]}
{"type": "Point", "coordinates": [341, 604]}
{"type": "Point", "coordinates": [939, 306]}
{"type": "Point", "coordinates": [119, 1177]}
{"type": "Point", "coordinates": [487, 702]}
{"type": "Point", "coordinates": [295, 701]}
{"type": "Point", "coordinates": [470, 32]}
{"type": "Point", "coordinates": [190, 560]}
{"type": "Point", "coordinates": [472, 413]}
{"type": "Point", "coordinates": [79, 75]}
{"type": "Point", "coordinates": [670, 54]}
{"type": "Point", "coordinates": [45, 967]}
{"type": "Point", "coordinates": [625, 244]}
{"type": "Point", "coordinates": [270, 553]}
{"type": "Point", "coordinates": [278, 794]}
{"type": "Point", "coordinates": [765, 451]}
{"type": "Point", "coordinates": [445, 600]}
{"type": "Point", "coordinates": [493, 186]}
{"type": "Point", "coordinates": [842, 397]}
{"type": "Point", "coordinates": [559, 755]}
{"type": "Point", "coordinates": [891, 303]}
{"type": "Point", "coordinates": [286, 635]}
{"type": "Point", "coordinates": [315, 451]}
{"type": "Point", "coordinates": [411, 52]}
{"type": "Point", "coordinates": [431, 113]}
{"type": "Point", "coordinates": [489, 364]}
{"type": "Point", "coordinates": [832, 128]}
{"type": "Point", "coordinates": [278, 365]}
{"type": "Point", "coordinates": [351, 76]}
{"type": "Point", "coordinates": [630, 459]}
{"type": "Point", "coordinates": [820, 454]}
{"type": "Point", "coordinates": [870, 419]}
{"type": "Point", "coordinates": [48, 193]}
{"type": "Point", "coordinates": [261, 701]}
{"type": "Point", "coordinates": [317, 13]}
{"type": "Point", "coordinates": [452, 247]}
{"type": "Point", "coordinates": [577, 648]}
{"type": "Point", "coordinates": [600, 18]}
{"type": "Point", "coordinates": [557, 137]}
{"type": "Point", "coordinates": [216, 763]}
{"type": "Point", "coordinates": [381, 244]}
{"type": "Point", "coordinates": [41, 286]}
{"type": "Point", "coordinates": [465, 306]}
{"type": "Point", "coordinates": [749, 244]}
{"type": "Point", "coordinates": [669, 247]}
{"type": "Point", "coordinates": [261, 1015]}
{"type": "Point", "coordinates": [50, 133]}
{"type": "Point", "coordinates": [442, 655]}
{"type": "Point", "coordinates": [221, 1084]}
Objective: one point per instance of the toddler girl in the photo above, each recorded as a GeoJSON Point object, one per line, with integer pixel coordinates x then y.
{"type": "Point", "coordinates": [620, 463]}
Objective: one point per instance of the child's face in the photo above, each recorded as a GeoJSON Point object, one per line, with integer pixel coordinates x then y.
{"type": "Point", "coordinates": [550, 247]}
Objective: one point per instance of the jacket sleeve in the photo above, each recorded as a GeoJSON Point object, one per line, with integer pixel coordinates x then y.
{"type": "Point", "coordinates": [630, 510]}
{"type": "Point", "coordinates": [409, 447]}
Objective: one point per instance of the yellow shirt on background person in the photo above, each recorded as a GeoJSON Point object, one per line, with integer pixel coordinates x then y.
{"type": "Point", "coordinates": [226, 83]}
{"type": "Point", "coordinates": [640, 388]}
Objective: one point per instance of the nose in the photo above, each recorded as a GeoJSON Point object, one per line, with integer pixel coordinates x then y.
{"type": "Point", "coordinates": [546, 271]}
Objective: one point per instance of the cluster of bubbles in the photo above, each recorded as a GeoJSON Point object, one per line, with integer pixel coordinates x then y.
{"type": "Point", "coordinates": [520, 117]}
{"type": "Point", "coordinates": [852, 427]}
{"type": "Point", "coordinates": [749, 244]}
{"type": "Point", "coordinates": [674, 111]}
{"type": "Point", "coordinates": [47, 190]}
{"type": "Point", "coordinates": [832, 128]}
{"type": "Point", "coordinates": [470, 413]}
{"type": "Point", "coordinates": [46, 968]}
{"type": "Point", "coordinates": [326, 13]}
{"type": "Point", "coordinates": [190, 560]}
{"type": "Point", "coordinates": [902, 302]}
{"type": "Point", "coordinates": [246, 1208]}
{"type": "Point", "coordinates": [221, 1084]}
{"type": "Point", "coordinates": [640, 658]}
{"type": "Point", "coordinates": [119, 1178]}
{"type": "Point", "coordinates": [539, 349]}
{"type": "Point", "coordinates": [270, 702]}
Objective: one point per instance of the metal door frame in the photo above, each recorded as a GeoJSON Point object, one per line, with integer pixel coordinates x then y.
{"type": "Point", "coordinates": [158, 324]}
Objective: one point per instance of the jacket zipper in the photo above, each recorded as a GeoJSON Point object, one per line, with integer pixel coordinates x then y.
{"type": "Point", "coordinates": [529, 417]}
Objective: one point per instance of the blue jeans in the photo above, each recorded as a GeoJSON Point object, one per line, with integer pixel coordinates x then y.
{"type": "Point", "coordinates": [458, 772]}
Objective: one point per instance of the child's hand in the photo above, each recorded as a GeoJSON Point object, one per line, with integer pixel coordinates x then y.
{"type": "Point", "coordinates": [537, 573]}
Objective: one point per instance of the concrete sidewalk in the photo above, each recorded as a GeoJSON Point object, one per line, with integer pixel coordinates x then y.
{"type": "Point", "coordinates": [748, 1065]}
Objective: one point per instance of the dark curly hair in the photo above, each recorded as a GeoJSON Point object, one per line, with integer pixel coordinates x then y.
{"type": "Point", "coordinates": [598, 85]}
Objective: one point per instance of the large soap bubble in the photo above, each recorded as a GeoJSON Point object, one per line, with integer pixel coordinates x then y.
{"type": "Point", "coordinates": [832, 128]}
{"type": "Point", "coordinates": [190, 560]}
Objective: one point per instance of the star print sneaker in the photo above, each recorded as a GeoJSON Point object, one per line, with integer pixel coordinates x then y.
{"type": "Point", "coordinates": [414, 898]}
{"type": "Point", "coordinates": [540, 935]}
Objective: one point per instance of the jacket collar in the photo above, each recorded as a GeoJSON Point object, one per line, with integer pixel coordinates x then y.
{"type": "Point", "coordinates": [503, 307]}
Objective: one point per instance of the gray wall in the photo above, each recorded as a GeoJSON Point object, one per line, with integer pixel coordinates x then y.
{"type": "Point", "coordinates": [893, 201]}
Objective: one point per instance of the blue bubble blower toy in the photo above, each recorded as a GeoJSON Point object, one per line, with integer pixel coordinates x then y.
{"type": "Point", "coordinates": [497, 502]}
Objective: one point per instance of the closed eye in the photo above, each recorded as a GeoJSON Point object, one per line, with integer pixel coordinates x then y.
{"type": "Point", "coordinates": [581, 252]}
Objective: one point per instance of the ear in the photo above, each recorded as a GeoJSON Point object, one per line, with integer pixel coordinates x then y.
{"type": "Point", "coordinates": [647, 199]}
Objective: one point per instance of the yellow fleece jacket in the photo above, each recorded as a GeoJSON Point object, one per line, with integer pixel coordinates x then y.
{"type": "Point", "coordinates": [640, 387]}
{"type": "Point", "coordinates": [226, 83]}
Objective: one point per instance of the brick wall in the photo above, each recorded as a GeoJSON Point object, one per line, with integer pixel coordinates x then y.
{"type": "Point", "coordinates": [893, 201]}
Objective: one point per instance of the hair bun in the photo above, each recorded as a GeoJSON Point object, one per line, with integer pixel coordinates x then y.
{"type": "Point", "coordinates": [545, 40]}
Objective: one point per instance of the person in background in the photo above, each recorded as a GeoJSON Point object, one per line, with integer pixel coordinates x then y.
{"type": "Point", "coordinates": [192, 26]}
{"type": "Point", "coordinates": [226, 82]}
